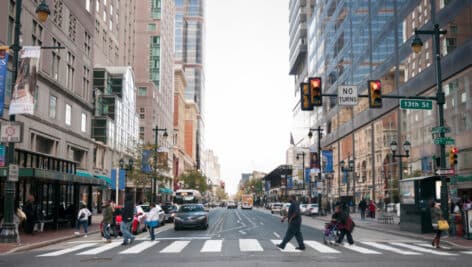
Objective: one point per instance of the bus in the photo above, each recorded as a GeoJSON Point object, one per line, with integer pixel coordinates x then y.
{"type": "Point", "coordinates": [184, 196]}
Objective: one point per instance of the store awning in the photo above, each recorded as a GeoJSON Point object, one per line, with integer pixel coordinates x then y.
{"type": "Point", "coordinates": [82, 177]}
{"type": "Point", "coordinates": [83, 173]}
{"type": "Point", "coordinates": [103, 177]}
{"type": "Point", "coordinates": [165, 190]}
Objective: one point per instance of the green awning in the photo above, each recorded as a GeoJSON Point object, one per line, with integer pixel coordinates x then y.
{"type": "Point", "coordinates": [165, 190]}
{"type": "Point", "coordinates": [103, 177]}
{"type": "Point", "coordinates": [82, 173]}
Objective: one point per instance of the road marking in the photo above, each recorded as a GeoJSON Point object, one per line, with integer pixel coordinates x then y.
{"type": "Point", "coordinates": [276, 235]}
{"type": "Point", "coordinates": [288, 247]}
{"type": "Point", "coordinates": [242, 232]}
{"type": "Point", "coordinates": [184, 238]}
{"type": "Point", "coordinates": [420, 249]}
{"type": "Point", "coordinates": [140, 247]}
{"type": "Point", "coordinates": [175, 247]}
{"type": "Point", "coordinates": [467, 252]}
{"type": "Point", "coordinates": [320, 247]}
{"type": "Point", "coordinates": [389, 248]}
{"type": "Point", "coordinates": [250, 245]}
{"type": "Point", "coordinates": [361, 249]}
{"type": "Point", "coordinates": [101, 249]}
{"type": "Point", "coordinates": [429, 245]}
{"type": "Point", "coordinates": [67, 250]}
{"type": "Point", "coordinates": [212, 246]}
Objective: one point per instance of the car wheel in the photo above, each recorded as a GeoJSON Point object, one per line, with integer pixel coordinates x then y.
{"type": "Point", "coordinates": [271, 212]}
{"type": "Point", "coordinates": [176, 228]}
{"type": "Point", "coordinates": [205, 227]}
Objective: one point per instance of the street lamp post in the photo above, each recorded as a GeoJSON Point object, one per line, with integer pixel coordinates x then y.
{"type": "Point", "coordinates": [417, 44]}
{"type": "Point", "coordinates": [349, 169]}
{"type": "Point", "coordinates": [156, 144]}
{"type": "Point", "coordinates": [394, 147]}
{"type": "Point", "coordinates": [320, 135]}
{"type": "Point", "coordinates": [9, 234]}
{"type": "Point", "coordinates": [128, 167]}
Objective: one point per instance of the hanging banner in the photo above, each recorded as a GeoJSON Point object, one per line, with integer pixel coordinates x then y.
{"type": "Point", "coordinates": [267, 186]}
{"type": "Point", "coordinates": [22, 97]}
{"type": "Point", "coordinates": [162, 158]}
{"type": "Point", "coordinates": [113, 179]}
{"type": "Point", "coordinates": [327, 161]}
{"type": "Point", "coordinates": [289, 182]}
{"type": "Point", "coordinates": [146, 161]}
{"type": "Point", "coordinates": [307, 175]}
{"type": "Point", "coordinates": [3, 75]}
{"type": "Point", "coordinates": [122, 180]}
{"type": "Point", "coordinates": [2, 155]}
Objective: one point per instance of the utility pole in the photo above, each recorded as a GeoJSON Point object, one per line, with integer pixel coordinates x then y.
{"type": "Point", "coordinates": [156, 144]}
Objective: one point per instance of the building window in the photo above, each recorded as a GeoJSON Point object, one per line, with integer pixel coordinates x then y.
{"type": "Point", "coordinates": [68, 114]}
{"type": "Point", "coordinates": [151, 27]}
{"type": "Point", "coordinates": [85, 82]}
{"type": "Point", "coordinates": [141, 116]}
{"type": "Point", "coordinates": [72, 27]}
{"type": "Point", "coordinates": [141, 110]}
{"type": "Point", "coordinates": [464, 97]}
{"type": "Point", "coordinates": [142, 91]}
{"type": "Point", "coordinates": [97, 5]}
{"type": "Point", "coordinates": [52, 106]}
{"type": "Point", "coordinates": [87, 5]}
{"type": "Point", "coordinates": [58, 5]}
{"type": "Point", "coordinates": [156, 9]}
{"type": "Point", "coordinates": [37, 34]}
{"type": "Point", "coordinates": [83, 122]}
{"type": "Point", "coordinates": [56, 59]}
{"type": "Point", "coordinates": [154, 60]}
{"type": "Point", "coordinates": [87, 43]}
{"type": "Point", "coordinates": [70, 71]}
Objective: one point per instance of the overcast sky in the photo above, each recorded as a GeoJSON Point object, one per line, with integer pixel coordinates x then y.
{"type": "Point", "coordinates": [248, 89]}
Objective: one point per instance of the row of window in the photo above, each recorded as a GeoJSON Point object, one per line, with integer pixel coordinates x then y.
{"type": "Point", "coordinates": [68, 114]}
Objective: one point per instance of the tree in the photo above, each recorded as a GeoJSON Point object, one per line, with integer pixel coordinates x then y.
{"type": "Point", "coordinates": [221, 194]}
{"type": "Point", "coordinates": [194, 179]}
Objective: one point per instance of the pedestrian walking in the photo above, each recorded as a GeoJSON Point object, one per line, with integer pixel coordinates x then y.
{"type": "Point", "coordinates": [152, 220]}
{"type": "Point", "coordinates": [294, 224]}
{"type": "Point", "coordinates": [362, 208]}
{"type": "Point", "coordinates": [437, 219]}
{"type": "Point", "coordinates": [82, 219]}
{"type": "Point", "coordinates": [127, 217]}
{"type": "Point", "coordinates": [345, 224]}
{"type": "Point", "coordinates": [372, 209]}
{"type": "Point", "coordinates": [29, 210]}
{"type": "Point", "coordinates": [107, 221]}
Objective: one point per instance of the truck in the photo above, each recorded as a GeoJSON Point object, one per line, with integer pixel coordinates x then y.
{"type": "Point", "coordinates": [247, 202]}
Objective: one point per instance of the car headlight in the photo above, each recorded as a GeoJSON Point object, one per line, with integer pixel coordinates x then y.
{"type": "Point", "coordinates": [172, 215]}
{"type": "Point", "coordinates": [201, 217]}
{"type": "Point", "coordinates": [178, 218]}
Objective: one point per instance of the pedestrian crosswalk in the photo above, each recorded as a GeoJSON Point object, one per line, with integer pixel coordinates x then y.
{"type": "Point", "coordinates": [216, 246]}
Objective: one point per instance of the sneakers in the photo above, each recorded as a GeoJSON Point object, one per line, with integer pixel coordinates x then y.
{"type": "Point", "coordinates": [279, 246]}
{"type": "Point", "coordinates": [300, 248]}
{"type": "Point", "coordinates": [108, 241]}
{"type": "Point", "coordinates": [85, 235]}
{"type": "Point", "coordinates": [132, 240]}
{"type": "Point", "coordinates": [76, 233]}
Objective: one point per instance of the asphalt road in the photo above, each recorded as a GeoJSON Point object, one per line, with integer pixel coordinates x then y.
{"type": "Point", "coordinates": [241, 238]}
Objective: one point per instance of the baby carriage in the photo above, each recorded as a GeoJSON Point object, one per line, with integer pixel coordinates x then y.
{"type": "Point", "coordinates": [331, 233]}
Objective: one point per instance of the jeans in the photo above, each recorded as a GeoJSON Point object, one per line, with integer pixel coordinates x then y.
{"type": "Point", "coordinates": [84, 223]}
{"type": "Point", "coordinates": [348, 234]}
{"type": "Point", "coordinates": [151, 233]}
{"type": "Point", "coordinates": [362, 214]}
{"type": "Point", "coordinates": [106, 231]}
{"type": "Point", "coordinates": [124, 227]}
{"type": "Point", "coordinates": [293, 230]}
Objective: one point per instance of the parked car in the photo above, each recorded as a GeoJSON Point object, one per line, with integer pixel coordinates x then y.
{"type": "Point", "coordinates": [267, 206]}
{"type": "Point", "coordinates": [169, 210]}
{"type": "Point", "coordinates": [232, 205]}
{"type": "Point", "coordinates": [191, 216]}
{"type": "Point", "coordinates": [139, 220]}
{"type": "Point", "coordinates": [303, 208]}
{"type": "Point", "coordinates": [312, 209]}
{"type": "Point", "coordinates": [284, 209]}
{"type": "Point", "coordinates": [275, 207]}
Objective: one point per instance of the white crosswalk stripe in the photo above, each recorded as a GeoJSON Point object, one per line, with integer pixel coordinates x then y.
{"type": "Point", "coordinates": [249, 245]}
{"type": "Point", "coordinates": [288, 248]}
{"type": "Point", "coordinates": [361, 250]}
{"type": "Point", "coordinates": [390, 248]}
{"type": "Point", "coordinates": [140, 247]}
{"type": "Point", "coordinates": [175, 247]}
{"type": "Point", "coordinates": [320, 247]}
{"type": "Point", "coordinates": [467, 252]}
{"type": "Point", "coordinates": [212, 246]}
{"type": "Point", "coordinates": [424, 250]}
{"type": "Point", "coordinates": [68, 250]}
{"type": "Point", "coordinates": [101, 249]}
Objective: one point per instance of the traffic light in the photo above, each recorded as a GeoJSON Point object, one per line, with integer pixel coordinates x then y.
{"type": "Point", "coordinates": [305, 97]}
{"type": "Point", "coordinates": [453, 157]}
{"type": "Point", "coordinates": [375, 93]}
{"type": "Point", "coordinates": [315, 91]}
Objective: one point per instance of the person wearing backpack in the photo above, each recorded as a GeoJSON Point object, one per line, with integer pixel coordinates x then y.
{"type": "Point", "coordinates": [82, 219]}
{"type": "Point", "coordinates": [346, 225]}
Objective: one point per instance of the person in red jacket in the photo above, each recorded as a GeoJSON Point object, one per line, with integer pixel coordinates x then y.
{"type": "Point", "coordinates": [372, 209]}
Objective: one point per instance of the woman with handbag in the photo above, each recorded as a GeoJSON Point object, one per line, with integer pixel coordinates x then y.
{"type": "Point", "coordinates": [82, 219]}
{"type": "Point", "coordinates": [152, 220]}
{"type": "Point", "coordinates": [438, 222]}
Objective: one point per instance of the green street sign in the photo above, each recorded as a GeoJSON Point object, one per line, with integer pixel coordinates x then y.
{"type": "Point", "coordinates": [416, 104]}
{"type": "Point", "coordinates": [438, 130]}
{"type": "Point", "coordinates": [444, 141]}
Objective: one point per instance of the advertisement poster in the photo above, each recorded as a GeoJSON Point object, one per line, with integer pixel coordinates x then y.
{"type": "Point", "coordinates": [22, 99]}
{"type": "Point", "coordinates": [327, 160]}
{"type": "Point", "coordinates": [162, 158]}
{"type": "Point", "coordinates": [407, 192]}
{"type": "Point", "coordinates": [146, 161]}
{"type": "Point", "coordinates": [3, 77]}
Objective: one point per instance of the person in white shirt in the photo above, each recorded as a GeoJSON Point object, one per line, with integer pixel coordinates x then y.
{"type": "Point", "coordinates": [152, 220]}
{"type": "Point", "coordinates": [82, 219]}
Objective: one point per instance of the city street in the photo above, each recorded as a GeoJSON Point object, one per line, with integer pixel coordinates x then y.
{"type": "Point", "coordinates": [241, 238]}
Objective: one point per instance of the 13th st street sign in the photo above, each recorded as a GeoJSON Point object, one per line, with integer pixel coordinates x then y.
{"type": "Point", "coordinates": [416, 104]}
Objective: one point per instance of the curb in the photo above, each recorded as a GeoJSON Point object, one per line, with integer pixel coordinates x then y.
{"type": "Point", "coordinates": [404, 234]}
{"type": "Point", "coordinates": [45, 243]}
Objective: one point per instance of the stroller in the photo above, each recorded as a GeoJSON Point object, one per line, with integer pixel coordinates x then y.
{"type": "Point", "coordinates": [331, 233]}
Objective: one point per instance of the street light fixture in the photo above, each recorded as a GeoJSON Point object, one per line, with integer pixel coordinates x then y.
{"type": "Point", "coordinates": [406, 147]}
{"type": "Point", "coordinates": [156, 144]}
{"type": "Point", "coordinates": [9, 233]}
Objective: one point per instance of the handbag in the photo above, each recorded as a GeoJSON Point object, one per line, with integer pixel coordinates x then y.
{"type": "Point", "coordinates": [443, 225]}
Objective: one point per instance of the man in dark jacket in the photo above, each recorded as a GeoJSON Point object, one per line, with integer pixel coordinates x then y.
{"type": "Point", "coordinates": [127, 216]}
{"type": "Point", "coordinates": [362, 208]}
{"type": "Point", "coordinates": [107, 221]}
{"type": "Point", "coordinates": [30, 211]}
{"type": "Point", "coordinates": [294, 224]}
{"type": "Point", "coordinates": [345, 224]}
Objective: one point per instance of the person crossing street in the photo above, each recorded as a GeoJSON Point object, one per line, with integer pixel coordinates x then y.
{"type": "Point", "coordinates": [107, 221]}
{"type": "Point", "coordinates": [294, 224]}
{"type": "Point", "coordinates": [127, 215]}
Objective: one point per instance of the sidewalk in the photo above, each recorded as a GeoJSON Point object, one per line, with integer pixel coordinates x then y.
{"type": "Point", "coordinates": [373, 224]}
{"type": "Point", "coordinates": [48, 237]}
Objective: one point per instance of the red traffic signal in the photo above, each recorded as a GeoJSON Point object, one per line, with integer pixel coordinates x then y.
{"type": "Point", "coordinates": [315, 91]}
{"type": "Point", "coordinates": [453, 156]}
{"type": "Point", "coordinates": [375, 93]}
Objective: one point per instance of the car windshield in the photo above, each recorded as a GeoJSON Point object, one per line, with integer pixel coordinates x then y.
{"type": "Point", "coordinates": [169, 207]}
{"type": "Point", "coordinates": [191, 208]}
{"type": "Point", "coordinates": [146, 208]}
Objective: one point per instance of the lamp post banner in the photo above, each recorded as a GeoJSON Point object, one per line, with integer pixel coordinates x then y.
{"type": "Point", "coordinates": [3, 74]}
{"type": "Point", "coordinates": [22, 97]}
{"type": "Point", "coordinates": [327, 161]}
{"type": "Point", "coordinates": [146, 161]}
{"type": "Point", "coordinates": [307, 175]}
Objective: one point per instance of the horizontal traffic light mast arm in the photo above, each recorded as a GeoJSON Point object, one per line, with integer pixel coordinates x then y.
{"type": "Point", "coordinates": [393, 96]}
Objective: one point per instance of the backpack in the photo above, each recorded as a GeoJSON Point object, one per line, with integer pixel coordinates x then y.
{"type": "Point", "coordinates": [350, 224]}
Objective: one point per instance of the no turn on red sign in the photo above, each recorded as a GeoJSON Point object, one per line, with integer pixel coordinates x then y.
{"type": "Point", "coordinates": [10, 132]}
